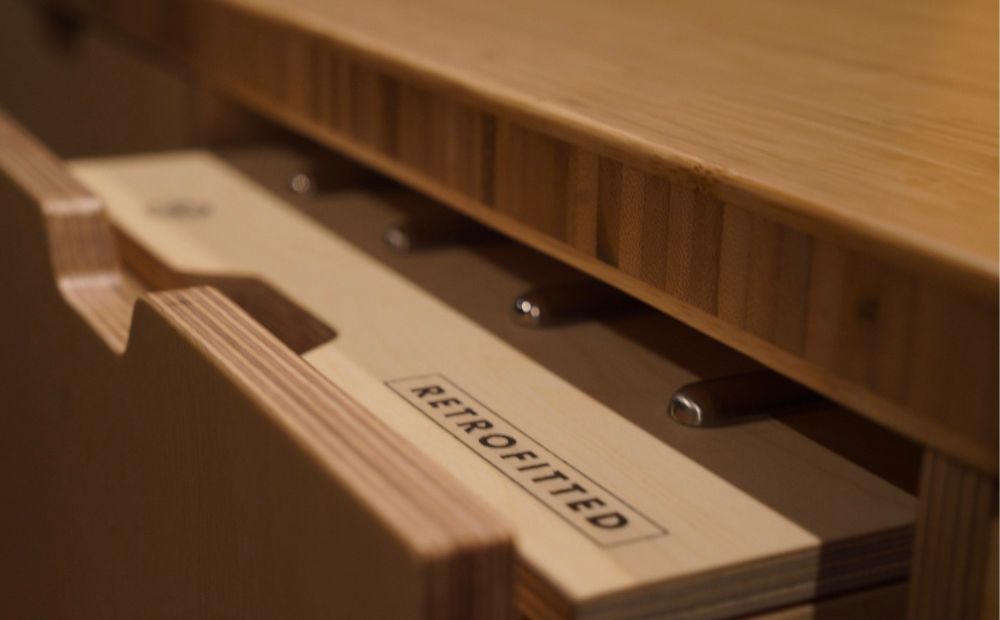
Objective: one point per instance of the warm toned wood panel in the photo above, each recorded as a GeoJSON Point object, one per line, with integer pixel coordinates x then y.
{"type": "Point", "coordinates": [833, 111]}
{"type": "Point", "coordinates": [954, 568]}
{"type": "Point", "coordinates": [838, 270]}
{"type": "Point", "coordinates": [184, 463]}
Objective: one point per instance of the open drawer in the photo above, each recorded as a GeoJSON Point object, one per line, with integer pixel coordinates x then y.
{"type": "Point", "coordinates": [204, 468]}
{"type": "Point", "coordinates": [178, 461]}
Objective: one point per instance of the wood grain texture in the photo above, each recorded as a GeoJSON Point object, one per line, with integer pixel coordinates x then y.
{"type": "Point", "coordinates": [296, 328]}
{"type": "Point", "coordinates": [814, 186]}
{"type": "Point", "coordinates": [954, 569]}
{"type": "Point", "coordinates": [182, 462]}
{"type": "Point", "coordinates": [804, 523]}
{"type": "Point", "coordinates": [885, 603]}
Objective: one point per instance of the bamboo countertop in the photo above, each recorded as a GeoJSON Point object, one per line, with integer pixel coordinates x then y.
{"type": "Point", "coordinates": [811, 183]}
{"type": "Point", "coordinates": [876, 118]}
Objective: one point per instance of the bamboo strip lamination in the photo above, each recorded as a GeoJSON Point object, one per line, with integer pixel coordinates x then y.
{"type": "Point", "coordinates": [815, 185]}
{"type": "Point", "coordinates": [180, 462]}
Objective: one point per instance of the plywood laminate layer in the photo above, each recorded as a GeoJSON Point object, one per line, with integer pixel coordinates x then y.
{"type": "Point", "coordinates": [165, 456]}
{"type": "Point", "coordinates": [813, 184]}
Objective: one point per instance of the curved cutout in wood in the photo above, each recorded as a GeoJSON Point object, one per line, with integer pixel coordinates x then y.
{"type": "Point", "coordinates": [184, 463]}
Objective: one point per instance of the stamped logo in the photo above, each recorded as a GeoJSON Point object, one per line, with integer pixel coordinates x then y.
{"type": "Point", "coordinates": [589, 507]}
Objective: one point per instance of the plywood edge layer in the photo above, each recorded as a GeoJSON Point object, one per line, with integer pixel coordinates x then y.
{"type": "Point", "coordinates": [465, 546]}
{"type": "Point", "coordinates": [833, 569]}
{"type": "Point", "coordinates": [911, 345]}
{"type": "Point", "coordinates": [735, 592]}
{"type": "Point", "coordinates": [888, 601]}
{"type": "Point", "coordinates": [178, 397]}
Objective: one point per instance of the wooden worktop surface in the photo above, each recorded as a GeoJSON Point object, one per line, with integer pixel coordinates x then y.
{"type": "Point", "coordinates": [874, 117]}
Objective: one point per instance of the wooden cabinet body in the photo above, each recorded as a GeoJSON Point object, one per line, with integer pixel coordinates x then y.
{"type": "Point", "coordinates": [248, 452]}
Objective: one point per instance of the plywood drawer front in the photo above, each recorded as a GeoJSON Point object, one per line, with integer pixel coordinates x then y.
{"type": "Point", "coordinates": [165, 456]}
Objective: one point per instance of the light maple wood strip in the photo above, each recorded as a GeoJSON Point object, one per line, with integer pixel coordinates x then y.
{"type": "Point", "coordinates": [734, 264]}
{"type": "Point", "coordinates": [653, 230]}
{"type": "Point", "coordinates": [631, 226]}
{"type": "Point", "coordinates": [582, 200]}
{"type": "Point", "coordinates": [817, 169]}
{"type": "Point", "coordinates": [184, 463]}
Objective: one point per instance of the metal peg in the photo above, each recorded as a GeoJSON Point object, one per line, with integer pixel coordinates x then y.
{"type": "Point", "coordinates": [558, 305]}
{"type": "Point", "coordinates": [739, 398]}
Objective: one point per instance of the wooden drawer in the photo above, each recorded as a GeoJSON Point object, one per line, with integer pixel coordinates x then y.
{"type": "Point", "coordinates": [179, 461]}
{"type": "Point", "coordinates": [389, 444]}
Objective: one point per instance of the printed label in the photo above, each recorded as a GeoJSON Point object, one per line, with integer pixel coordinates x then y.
{"type": "Point", "coordinates": [592, 509]}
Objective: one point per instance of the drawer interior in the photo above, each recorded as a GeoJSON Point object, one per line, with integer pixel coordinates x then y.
{"type": "Point", "coordinates": [617, 510]}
